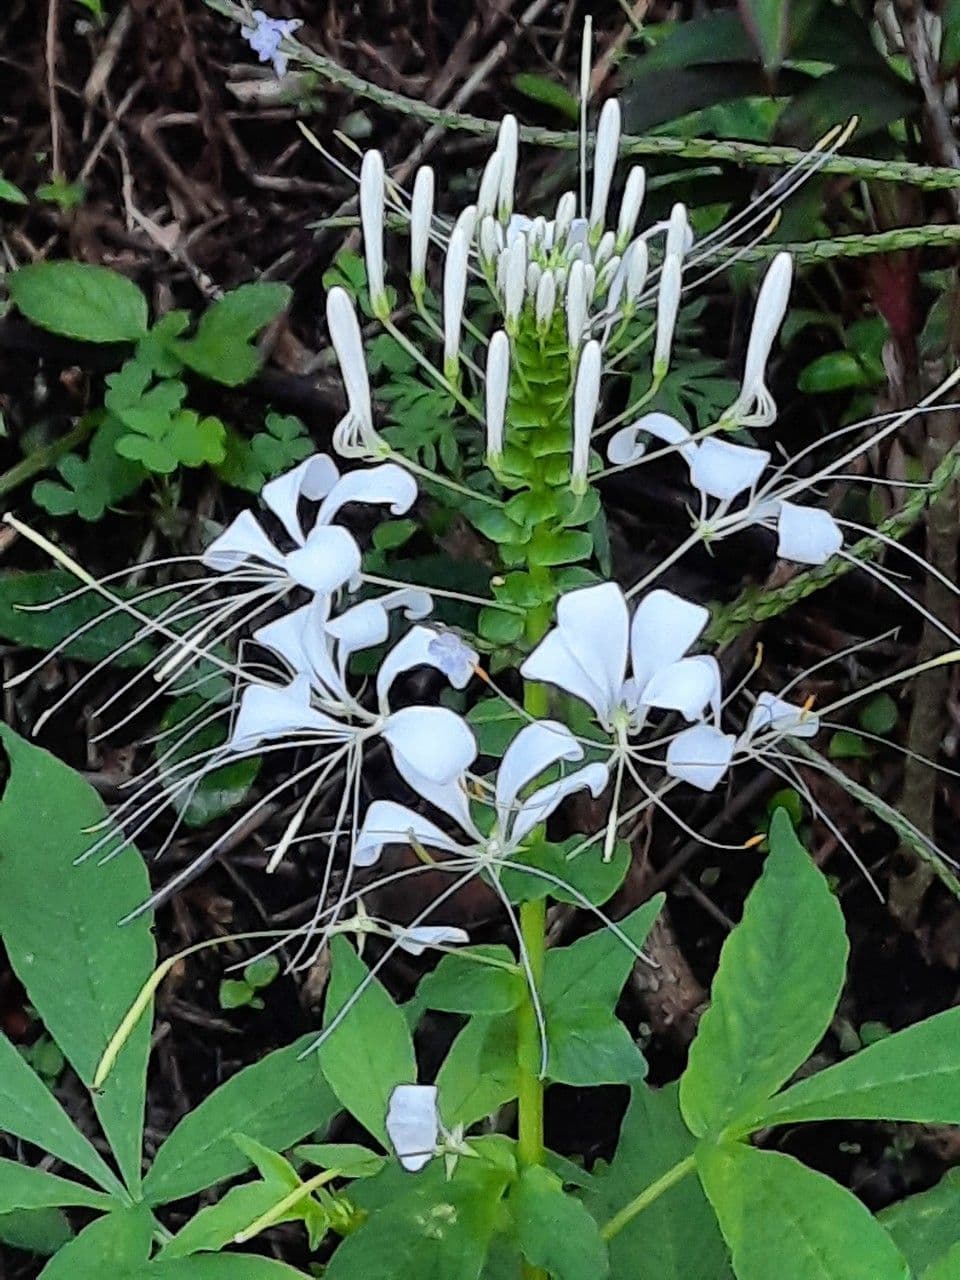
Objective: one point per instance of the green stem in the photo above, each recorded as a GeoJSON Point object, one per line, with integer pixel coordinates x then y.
{"type": "Point", "coordinates": [646, 1198]}
{"type": "Point", "coordinates": [40, 459]}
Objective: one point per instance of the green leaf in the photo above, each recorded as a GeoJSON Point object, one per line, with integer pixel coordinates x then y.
{"type": "Point", "coordinates": [221, 348]}
{"type": "Point", "coordinates": [837, 371]}
{"type": "Point", "coordinates": [371, 1051]}
{"type": "Point", "coordinates": [561, 547]}
{"type": "Point", "coordinates": [879, 715]}
{"type": "Point", "coordinates": [945, 1268]}
{"type": "Point", "coordinates": [461, 985]}
{"type": "Point", "coordinates": [83, 986]}
{"type": "Point", "coordinates": [548, 92]}
{"type": "Point", "coordinates": [911, 1075]}
{"type": "Point", "coordinates": [42, 1231]}
{"type": "Point", "coordinates": [479, 1074]}
{"type": "Point", "coordinates": [91, 485]}
{"type": "Point", "coordinates": [428, 1228]}
{"type": "Point", "coordinates": [352, 1160]}
{"type": "Point", "coordinates": [676, 1237]}
{"type": "Point", "coordinates": [927, 1225]}
{"type": "Point", "coordinates": [29, 1111]}
{"type": "Point", "coordinates": [226, 1266]}
{"type": "Point", "coordinates": [770, 1207]}
{"type": "Point", "coordinates": [217, 1224]}
{"type": "Point", "coordinates": [590, 1047]}
{"type": "Point", "coordinates": [219, 790]}
{"type": "Point", "coordinates": [80, 300]}
{"type": "Point", "coordinates": [112, 1246]}
{"type": "Point", "coordinates": [498, 627]}
{"type": "Point", "coordinates": [780, 975]}
{"type": "Point", "coordinates": [278, 1100]}
{"type": "Point", "coordinates": [11, 193]}
{"type": "Point", "coordinates": [768, 22]}
{"type": "Point", "coordinates": [22, 1187]}
{"type": "Point", "coordinates": [567, 879]}
{"type": "Point", "coordinates": [555, 1231]}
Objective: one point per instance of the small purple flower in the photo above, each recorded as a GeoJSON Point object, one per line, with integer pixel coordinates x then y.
{"type": "Point", "coordinates": [265, 38]}
{"type": "Point", "coordinates": [453, 657]}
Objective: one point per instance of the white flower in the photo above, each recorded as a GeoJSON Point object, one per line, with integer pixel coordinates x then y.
{"type": "Point", "coordinates": [668, 304]}
{"type": "Point", "coordinates": [723, 470]}
{"type": "Point", "coordinates": [604, 162]}
{"type": "Point", "coordinates": [354, 435]}
{"type": "Point", "coordinates": [372, 194]}
{"type": "Point", "coordinates": [774, 715]}
{"type": "Point", "coordinates": [416, 938]}
{"type": "Point", "coordinates": [630, 205]}
{"type": "Point", "coordinates": [700, 755]}
{"type": "Point", "coordinates": [586, 398]}
{"type": "Point", "coordinates": [453, 657]}
{"type": "Point", "coordinates": [497, 390]}
{"type": "Point", "coordinates": [266, 36]}
{"type": "Point", "coordinates": [755, 406]}
{"type": "Point", "coordinates": [586, 655]}
{"type": "Point", "coordinates": [327, 557]}
{"type": "Point", "coordinates": [454, 292]}
{"type": "Point", "coordinates": [507, 143]}
{"type": "Point", "coordinates": [421, 219]}
{"type": "Point", "coordinates": [537, 747]}
{"type": "Point", "coordinates": [807, 535]}
{"type": "Point", "coordinates": [626, 446]}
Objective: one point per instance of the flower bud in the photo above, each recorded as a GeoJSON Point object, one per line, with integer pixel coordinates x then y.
{"type": "Point", "coordinates": [586, 398]}
{"type": "Point", "coordinates": [546, 300]}
{"type": "Point", "coordinates": [604, 161]}
{"type": "Point", "coordinates": [668, 304]}
{"type": "Point", "coordinates": [566, 212]}
{"type": "Point", "coordinates": [421, 219]}
{"type": "Point", "coordinates": [497, 387]}
{"type": "Point", "coordinates": [679, 234]}
{"type": "Point", "coordinates": [514, 282]}
{"type": "Point", "coordinates": [489, 189]}
{"type": "Point", "coordinates": [507, 140]}
{"type": "Point", "coordinates": [576, 305]}
{"type": "Point", "coordinates": [454, 291]}
{"type": "Point", "coordinates": [630, 205]}
{"type": "Point", "coordinates": [371, 219]}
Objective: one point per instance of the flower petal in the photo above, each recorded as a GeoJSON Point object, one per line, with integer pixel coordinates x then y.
{"type": "Point", "coordinates": [594, 625]}
{"type": "Point", "coordinates": [285, 636]}
{"type": "Point", "coordinates": [724, 470]}
{"type": "Point", "coordinates": [361, 627]}
{"type": "Point", "coordinates": [413, 1124]}
{"type": "Point", "coordinates": [329, 558]}
{"type": "Point", "coordinates": [700, 755]}
{"type": "Point", "coordinates": [434, 741]}
{"type": "Point", "coordinates": [312, 479]}
{"type": "Point", "coordinates": [417, 649]}
{"type": "Point", "coordinates": [416, 938]}
{"type": "Point", "coordinates": [663, 629]}
{"type": "Point", "coordinates": [386, 483]}
{"type": "Point", "coordinates": [268, 711]}
{"type": "Point", "coordinates": [535, 748]}
{"type": "Point", "coordinates": [387, 822]}
{"type": "Point", "coordinates": [538, 807]}
{"type": "Point", "coordinates": [776, 715]}
{"type": "Point", "coordinates": [807, 535]}
{"type": "Point", "coordinates": [686, 686]}
{"type": "Point", "coordinates": [243, 539]}
{"type": "Point", "coordinates": [552, 663]}
{"type": "Point", "coordinates": [625, 445]}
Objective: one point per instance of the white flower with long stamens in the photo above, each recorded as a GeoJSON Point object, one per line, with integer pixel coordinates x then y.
{"type": "Point", "coordinates": [454, 292]}
{"type": "Point", "coordinates": [755, 406]}
{"type": "Point", "coordinates": [604, 162]}
{"type": "Point", "coordinates": [497, 389]}
{"type": "Point", "coordinates": [327, 557]}
{"type": "Point", "coordinates": [421, 220]}
{"type": "Point", "coordinates": [630, 206]}
{"type": "Point", "coordinates": [668, 305]}
{"type": "Point", "coordinates": [372, 189]}
{"type": "Point", "coordinates": [586, 654]}
{"type": "Point", "coordinates": [354, 435]}
{"type": "Point", "coordinates": [586, 398]}
{"type": "Point", "coordinates": [507, 146]}
{"type": "Point", "coordinates": [537, 747]}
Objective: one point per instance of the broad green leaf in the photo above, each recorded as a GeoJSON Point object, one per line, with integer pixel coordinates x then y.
{"type": "Point", "coordinates": [780, 975]}
{"type": "Point", "coordinates": [80, 300]}
{"type": "Point", "coordinates": [29, 1111]}
{"type": "Point", "coordinates": [925, 1226]}
{"type": "Point", "coordinates": [676, 1237]}
{"type": "Point", "coordinates": [479, 1073]}
{"type": "Point", "coordinates": [587, 1044]}
{"type": "Point", "coordinates": [911, 1075]}
{"type": "Point", "coordinates": [22, 1187]}
{"type": "Point", "coordinates": [566, 879]}
{"type": "Point", "coordinates": [550, 92]}
{"type": "Point", "coordinates": [371, 1051]}
{"type": "Point", "coordinates": [221, 348]}
{"type": "Point", "coordinates": [217, 1224]}
{"type": "Point", "coordinates": [350, 1158]}
{"type": "Point", "coordinates": [768, 22]}
{"type": "Point", "coordinates": [460, 984]}
{"type": "Point", "coordinates": [41, 1231]}
{"type": "Point", "coordinates": [945, 1268]}
{"type": "Point", "coordinates": [428, 1228]}
{"type": "Point", "coordinates": [111, 1246]}
{"type": "Point", "coordinates": [277, 1101]}
{"type": "Point", "coordinates": [776, 1213]}
{"type": "Point", "coordinates": [554, 1230]}
{"type": "Point", "coordinates": [226, 1266]}
{"type": "Point", "coordinates": [84, 984]}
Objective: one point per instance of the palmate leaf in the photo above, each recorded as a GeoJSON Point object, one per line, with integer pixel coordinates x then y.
{"type": "Point", "coordinates": [780, 975]}
{"type": "Point", "coordinates": [59, 923]}
{"type": "Point", "coordinates": [926, 1226]}
{"type": "Point", "coordinates": [115, 1245]}
{"type": "Point", "coordinates": [776, 1214]}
